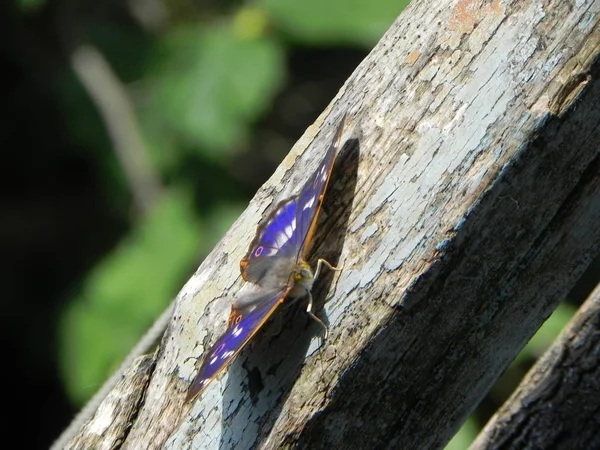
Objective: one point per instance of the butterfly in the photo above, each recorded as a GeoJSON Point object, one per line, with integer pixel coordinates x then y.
{"type": "Point", "coordinates": [276, 265]}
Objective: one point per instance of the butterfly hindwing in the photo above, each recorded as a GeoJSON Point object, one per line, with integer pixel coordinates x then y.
{"type": "Point", "coordinates": [244, 321]}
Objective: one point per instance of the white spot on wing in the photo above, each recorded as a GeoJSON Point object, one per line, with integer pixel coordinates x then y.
{"type": "Point", "coordinates": [323, 173]}
{"type": "Point", "coordinates": [227, 354]}
{"type": "Point", "coordinates": [309, 203]}
{"type": "Point", "coordinates": [282, 238]}
{"type": "Point", "coordinates": [237, 331]}
{"type": "Point", "coordinates": [288, 231]}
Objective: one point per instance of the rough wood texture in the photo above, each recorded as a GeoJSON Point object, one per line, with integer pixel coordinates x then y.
{"type": "Point", "coordinates": [109, 426]}
{"type": "Point", "coordinates": [558, 403]}
{"type": "Point", "coordinates": [463, 210]}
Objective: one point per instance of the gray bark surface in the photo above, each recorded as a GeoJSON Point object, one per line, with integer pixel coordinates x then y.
{"type": "Point", "coordinates": [463, 209]}
{"type": "Point", "coordinates": [109, 425]}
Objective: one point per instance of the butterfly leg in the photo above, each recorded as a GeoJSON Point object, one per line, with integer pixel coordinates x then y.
{"type": "Point", "coordinates": [315, 318]}
{"type": "Point", "coordinates": [320, 262]}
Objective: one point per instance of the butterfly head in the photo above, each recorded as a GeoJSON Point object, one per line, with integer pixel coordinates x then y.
{"type": "Point", "coordinates": [303, 279]}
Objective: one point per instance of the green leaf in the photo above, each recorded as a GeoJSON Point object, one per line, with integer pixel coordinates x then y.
{"type": "Point", "coordinates": [123, 295]}
{"type": "Point", "coordinates": [360, 22]}
{"type": "Point", "coordinates": [208, 84]}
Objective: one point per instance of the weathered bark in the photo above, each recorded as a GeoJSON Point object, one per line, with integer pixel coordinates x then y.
{"type": "Point", "coordinates": [463, 210]}
{"type": "Point", "coordinates": [558, 403]}
{"type": "Point", "coordinates": [109, 426]}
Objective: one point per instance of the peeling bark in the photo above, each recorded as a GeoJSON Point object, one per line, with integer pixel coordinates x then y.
{"type": "Point", "coordinates": [464, 208]}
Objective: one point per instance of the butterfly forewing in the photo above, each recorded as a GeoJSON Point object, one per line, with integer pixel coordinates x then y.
{"type": "Point", "coordinates": [288, 230]}
{"type": "Point", "coordinates": [244, 322]}
{"type": "Point", "coordinates": [276, 237]}
{"type": "Point", "coordinates": [311, 196]}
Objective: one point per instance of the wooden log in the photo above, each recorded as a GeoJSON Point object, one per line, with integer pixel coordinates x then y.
{"type": "Point", "coordinates": [464, 208]}
{"type": "Point", "coordinates": [556, 405]}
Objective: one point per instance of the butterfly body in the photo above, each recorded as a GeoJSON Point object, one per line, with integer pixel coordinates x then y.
{"type": "Point", "coordinates": [276, 267]}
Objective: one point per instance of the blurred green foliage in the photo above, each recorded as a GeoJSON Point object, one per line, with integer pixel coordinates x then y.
{"type": "Point", "coordinates": [123, 293]}
{"type": "Point", "coordinates": [207, 85]}
{"type": "Point", "coordinates": [324, 22]}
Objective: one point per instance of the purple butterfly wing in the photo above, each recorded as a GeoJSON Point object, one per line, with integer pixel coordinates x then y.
{"type": "Point", "coordinates": [277, 239]}
{"type": "Point", "coordinates": [288, 230]}
{"type": "Point", "coordinates": [311, 197]}
{"type": "Point", "coordinates": [244, 322]}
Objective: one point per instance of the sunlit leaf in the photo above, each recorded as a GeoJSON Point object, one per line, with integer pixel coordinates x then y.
{"type": "Point", "coordinates": [250, 22]}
